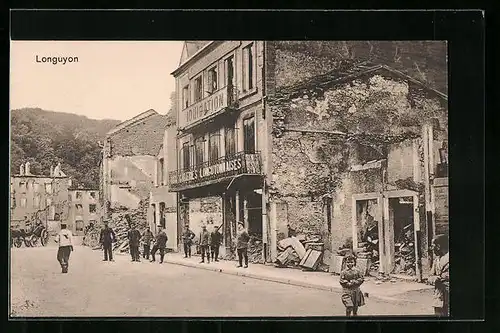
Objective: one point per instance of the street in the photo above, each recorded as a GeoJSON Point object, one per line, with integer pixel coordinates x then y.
{"type": "Point", "coordinates": [124, 288]}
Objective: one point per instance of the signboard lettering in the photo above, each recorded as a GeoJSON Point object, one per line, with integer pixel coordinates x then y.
{"type": "Point", "coordinates": [205, 107]}
{"type": "Point", "coordinates": [212, 170]}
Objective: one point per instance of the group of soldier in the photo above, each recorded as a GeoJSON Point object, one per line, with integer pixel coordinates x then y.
{"type": "Point", "coordinates": [209, 243]}
{"type": "Point", "coordinates": [108, 237]}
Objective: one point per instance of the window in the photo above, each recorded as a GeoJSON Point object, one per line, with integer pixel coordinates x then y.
{"type": "Point", "coordinates": [78, 194]}
{"type": "Point", "coordinates": [213, 146]}
{"type": "Point", "coordinates": [22, 187]}
{"type": "Point", "coordinates": [36, 201]}
{"type": "Point", "coordinates": [185, 97]}
{"type": "Point", "coordinates": [248, 68]}
{"type": "Point", "coordinates": [212, 80]}
{"type": "Point", "coordinates": [79, 209]}
{"type": "Point", "coordinates": [13, 200]}
{"type": "Point", "coordinates": [230, 71]}
{"type": "Point", "coordinates": [153, 206]}
{"type": "Point", "coordinates": [249, 135]}
{"type": "Point", "coordinates": [230, 142]}
{"type": "Point", "coordinates": [186, 156]}
{"type": "Point", "coordinates": [23, 202]}
{"type": "Point", "coordinates": [92, 208]}
{"type": "Point", "coordinates": [162, 214]}
{"type": "Point", "coordinates": [199, 147]}
{"type": "Point", "coordinates": [78, 225]}
{"type": "Point", "coordinates": [160, 172]}
{"type": "Point", "coordinates": [48, 188]}
{"type": "Point", "coordinates": [198, 89]}
{"type": "Point", "coordinates": [92, 195]}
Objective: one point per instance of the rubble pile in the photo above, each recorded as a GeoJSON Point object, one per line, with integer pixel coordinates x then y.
{"type": "Point", "coordinates": [255, 250]}
{"type": "Point", "coordinates": [120, 227]}
{"type": "Point", "coordinates": [300, 251]}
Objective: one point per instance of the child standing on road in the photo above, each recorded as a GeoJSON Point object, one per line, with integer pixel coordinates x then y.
{"type": "Point", "coordinates": [350, 280]}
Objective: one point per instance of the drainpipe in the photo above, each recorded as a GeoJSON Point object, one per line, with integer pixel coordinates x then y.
{"type": "Point", "coordinates": [428, 211]}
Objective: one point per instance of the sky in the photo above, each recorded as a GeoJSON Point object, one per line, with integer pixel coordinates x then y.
{"type": "Point", "coordinates": [111, 80]}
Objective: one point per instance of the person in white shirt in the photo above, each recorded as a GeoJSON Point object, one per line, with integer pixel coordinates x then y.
{"type": "Point", "coordinates": [65, 240]}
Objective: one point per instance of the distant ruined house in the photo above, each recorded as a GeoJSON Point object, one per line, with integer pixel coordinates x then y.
{"type": "Point", "coordinates": [129, 160]}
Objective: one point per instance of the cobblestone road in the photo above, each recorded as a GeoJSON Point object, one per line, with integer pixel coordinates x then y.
{"type": "Point", "coordinates": [123, 288]}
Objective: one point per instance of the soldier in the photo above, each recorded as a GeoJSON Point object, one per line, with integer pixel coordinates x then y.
{"type": "Point", "coordinates": [147, 238]}
{"type": "Point", "coordinates": [204, 243]}
{"type": "Point", "coordinates": [65, 240]}
{"type": "Point", "coordinates": [242, 239]}
{"type": "Point", "coordinates": [106, 240]}
{"type": "Point", "coordinates": [187, 240]}
{"type": "Point", "coordinates": [134, 237]}
{"type": "Point", "coordinates": [215, 241]}
{"type": "Point", "coordinates": [160, 244]}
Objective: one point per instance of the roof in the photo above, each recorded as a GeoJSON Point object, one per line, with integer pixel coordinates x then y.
{"type": "Point", "coordinates": [190, 48]}
{"type": "Point", "coordinates": [349, 73]}
{"type": "Point", "coordinates": [186, 57]}
{"type": "Point", "coordinates": [132, 121]}
{"type": "Point", "coordinates": [82, 189]}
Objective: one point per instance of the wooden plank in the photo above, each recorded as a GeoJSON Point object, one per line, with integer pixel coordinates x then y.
{"type": "Point", "coordinates": [336, 266]}
{"type": "Point", "coordinates": [304, 259]}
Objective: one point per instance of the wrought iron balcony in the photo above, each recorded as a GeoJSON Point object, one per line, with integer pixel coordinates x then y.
{"type": "Point", "coordinates": [212, 171]}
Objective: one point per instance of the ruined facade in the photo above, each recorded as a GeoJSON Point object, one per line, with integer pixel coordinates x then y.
{"type": "Point", "coordinates": [307, 135]}
{"type": "Point", "coordinates": [163, 203]}
{"type": "Point", "coordinates": [84, 209]}
{"type": "Point", "coordinates": [38, 197]}
{"type": "Point", "coordinates": [366, 146]}
{"type": "Point", "coordinates": [129, 161]}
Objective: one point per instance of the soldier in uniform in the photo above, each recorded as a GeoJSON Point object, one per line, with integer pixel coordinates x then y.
{"type": "Point", "coordinates": [106, 240]}
{"type": "Point", "coordinates": [160, 244]}
{"type": "Point", "coordinates": [204, 243]}
{"type": "Point", "coordinates": [187, 240]}
{"type": "Point", "coordinates": [215, 241]}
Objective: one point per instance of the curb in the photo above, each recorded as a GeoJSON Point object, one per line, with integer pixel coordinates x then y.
{"type": "Point", "coordinates": [282, 280]}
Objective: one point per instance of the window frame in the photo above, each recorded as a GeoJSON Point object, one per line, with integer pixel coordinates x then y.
{"type": "Point", "coordinates": [254, 144]}
{"type": "Point", "coordinates": [186, 101]}
{"type": "Point", "coordinates": [95, 209]}
{"type": "Point", "coordinates": [201, 142]}
{"type": "Point", "coordinates": [186, 157]}
{"type": "Point", "coordinates": [233, 150]}
{"type": "Point", "coordinates": [211, 136]}
{"type": "Point", "coordinates": [245, 64]}
{"type": "Point", "coordinates": [195, 80]}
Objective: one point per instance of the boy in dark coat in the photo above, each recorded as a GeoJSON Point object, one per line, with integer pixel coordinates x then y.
{"type": "Point", "coordinates": [160, 244]}
{"type": "Point", "coordinates": [204, 243]}
{"type": "Point", "coordinates": [106, 240]}
{"type": "Point", "coordinates": [187, 240]}
{"type": "Point", "coordinates": [215, 241]}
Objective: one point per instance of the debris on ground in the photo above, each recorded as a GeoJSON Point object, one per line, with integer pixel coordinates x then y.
{"type": "Point", "coordinates": [404, 255]}
{"type": "Point", "coordinates": [300, 251]}
{"type": "Point", "coordinates": [120, 227]}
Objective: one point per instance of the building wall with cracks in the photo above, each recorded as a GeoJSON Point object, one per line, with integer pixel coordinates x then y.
{"type": "Point", "coordinates": [323, 139]}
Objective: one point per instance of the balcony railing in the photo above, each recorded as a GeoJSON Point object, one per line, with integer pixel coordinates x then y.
{"type": "Point", "coordinates": [217, 102]}
{"type": "Point", "coordinates": [226, 166]}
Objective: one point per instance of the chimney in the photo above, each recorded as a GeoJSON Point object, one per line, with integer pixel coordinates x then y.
{"type": "Point", "coordinates": [51, 171]}
{"type": "Point", "coordinates": [27, 168]}
{"type": "Point", "coordinates": [21, 169]}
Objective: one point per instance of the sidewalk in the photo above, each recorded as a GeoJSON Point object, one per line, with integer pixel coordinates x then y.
{"type": "Point", "coordinates": [389, 291]}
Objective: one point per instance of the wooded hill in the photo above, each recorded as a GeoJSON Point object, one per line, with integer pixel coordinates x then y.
{"type": "Point", "coordinates": [45, 138]}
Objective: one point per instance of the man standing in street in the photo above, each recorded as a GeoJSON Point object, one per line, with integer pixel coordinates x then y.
{"type": "Point", "coordinates": [65, 240]}
{"type": "Point", "coordinates": [187, 240]}
{"type": "Point", "coordinates": [204, 243]}
{"type": "Point", "coordinates": [106, 240]}
{"type": "Point", "coordinates": [215, 241]}
{"type": "Point", "coordinates": [147, 238]}
{"type": "Point", "coordinates": [134, 237]}
{"type": "Point", "coordinates": [242, 239]}
{"type": "Point", "coordinates": [160, 244]}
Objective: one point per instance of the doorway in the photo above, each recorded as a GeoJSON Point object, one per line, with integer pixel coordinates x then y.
{"type": "Point", "coordinates": [401, 217]}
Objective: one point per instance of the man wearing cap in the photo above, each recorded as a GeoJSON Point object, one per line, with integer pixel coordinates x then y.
{"type": "Point", "coordinates": [215, 241]}
{"type": "Point", "coordinates": [187, 240]}
{"type": "Point", "coordinates": [65, 240]}
{"type": "Point", "coordinates": [134, 237]}
{"type": "Point", "coordinates": [204, 242]}
{"type": "Point", "coordinates": [147, 238]}
{"type": "Point", "coordinates": [160, 244]}
{"type": "Point", "coordinates": [242, 239]}
{"type": "Point", "coordinates": [106, 240]}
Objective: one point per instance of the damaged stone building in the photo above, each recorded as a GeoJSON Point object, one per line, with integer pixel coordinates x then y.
{"type": "Point", "coordinates": [84, 209]}
{"type": "Point", "coordinates": [163, 202]}
{"type": "Point", "coordinates": [129, 157]}
{"type": "Point", "coordinates": [39, 198]}
{"type": "Point", "coordinates": [281, 134]}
